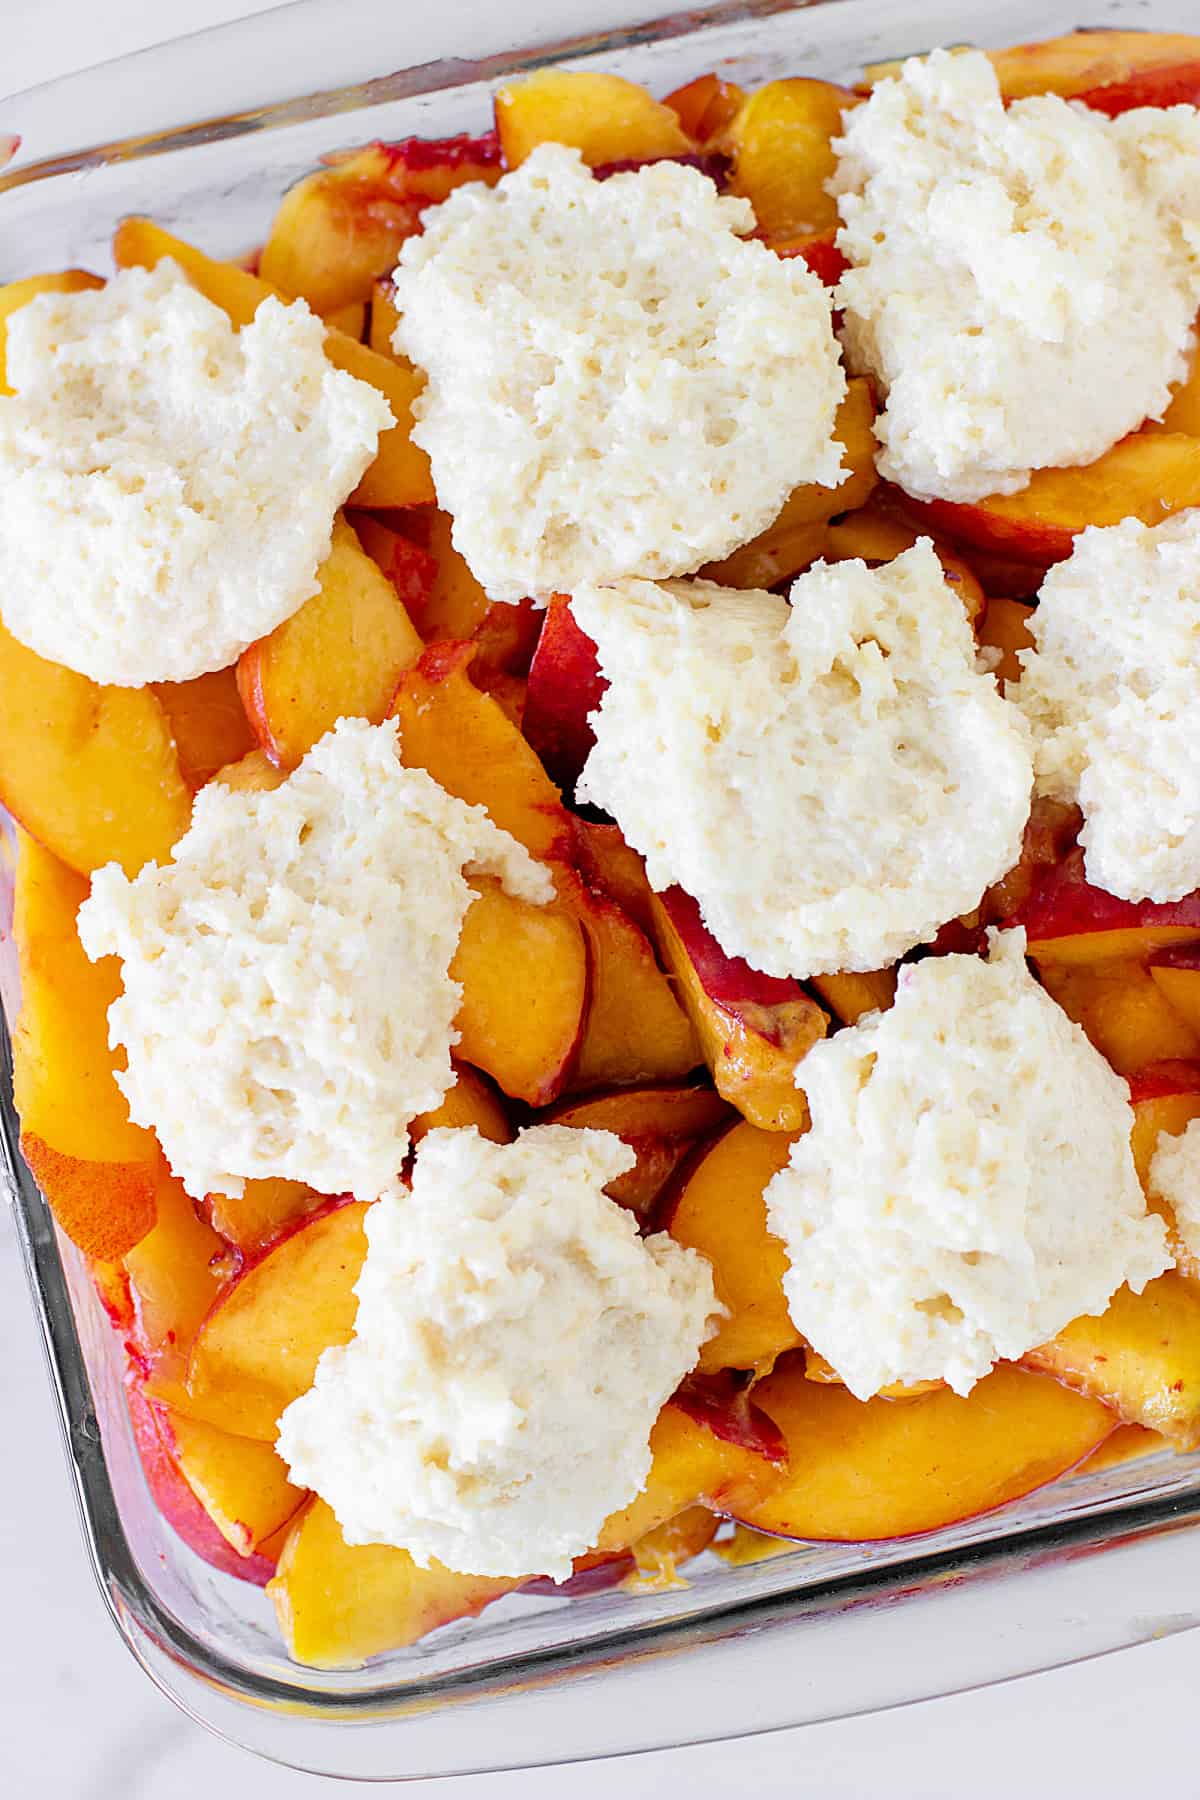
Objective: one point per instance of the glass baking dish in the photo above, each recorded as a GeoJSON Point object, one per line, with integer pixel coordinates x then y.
{"type": "Point", "coordinates": [205, 134]}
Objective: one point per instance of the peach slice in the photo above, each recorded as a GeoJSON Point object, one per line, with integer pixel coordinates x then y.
{"type": "Point", "coordinates": [409, 567]}
{"type": "Point", "coordinates": [1005, 626]}
{"type": "Point", "coordinates": [604, 117]}
{"type": "Point", "coordinates": [719, 1210]}
{"type": "Point", "coordinates": [91, 772]}
{"type": "Point", "coordinates": [662, 1125]}
{"type": "Point", "coordinates": [781, 140]}
{"type": "Point", "coordinates": [882, 1469]}
{"type": "Point", "coordinates": [753, 1028]}
{"type": "Point", "coordinates": [338, 1605]}
{"type": "Point", "coordinates": [266, 1209]}
{"type": "Point", "coordinates": [1128, 1443]}
{"type": "Point", "coordinates": [1177, 84]}
{"type": "Point", "coordinates": [879, 532]}
{"type": "Point", "coordinates": [339, 656]}
{"type": "Point", "coordinates": [819, 250]}
{"type": "Point", "coordinates": [524, 976]}
{"type": "Point", "coordinates": [1148, 476]}
{"type": "Point", "coordinates": [258, 1348]}
{"type": "Point", "coordinates": [659, 1555]}
{"type": "Point", "coordinates": [1123, 1011]}
{"type": "Point", "coordinates": [16, 294]}
{"type": "Point", "coordinates": [798, 535]}
{"type": "Point", "coordinates": [208, 723]}
{"type": "Point", "coordinates": [456, 605]}
{"type": "Point", "coordinates": [565, 688]}
{"type": "Point", "coordinates": [1175, 970]}
{"type": "Point", "coordinates": [400, 474]}
{"type": "Point", "coordinates": [1067, 920]}
{"type": "Point", "coordinates": [1082, 61]}
{"type": "Point", "coordinates": [612, 867]}
{"type": "Point", "coordinates": [243, 1485]}
{"type": "Point", "coordinates": [1141, 1357]}
{"type": "Point", "coordinates": [711, 1445]}
{"type": "Point", "coordinates": [175, 1499]}
{"type": "Point", "coordinates": [471, 1101]}
{"type": "Point", "coordinates": [341, 227]}
{"type": "Point", "coordinates": [385, 316]}
{"type": "Point", "coordinates": [849, 996]}
{"type": "Point", "coordinates": [1166, 1098]}
{"type": "Point", "coordinates": [96, 1168]}
{"type": "Point", "coordinates": [462, 737]}
{"type": "Point", "coordinates": [176, 1273]}
{"type": "Point", "coordinates": [636, 1030]}
{"type": "Point", "coordinates": [1077, 62]}
{"type": "Point", "coordinates": [253, 773]}
{"type": "Point", "coordinates": [705, 107]}
{"type": "Point", "coordinates": [819, 1368]}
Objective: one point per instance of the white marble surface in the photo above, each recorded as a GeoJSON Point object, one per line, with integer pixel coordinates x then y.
{"type": "Point", "coordinates": [78, 1720]}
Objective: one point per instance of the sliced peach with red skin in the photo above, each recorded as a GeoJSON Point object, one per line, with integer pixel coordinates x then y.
{"type": "Point", "coordinates": [400, 474]}
{"type": "Point", "coordinates": [97, 1169]}
{"type": "Point", "coordinates": [720, 1211]}
{"type": "Point", "coordinates": [781, 141]}
{"type": "Point", "coordinates": [92, 772]}
{"type": "Point", "coordinates": [462, 737]}
{"type": "Point", "coordinates": [258, 1347]}
{"type": "Point", "coordinates": [409, 567]}
{"type": "Point", "coordinates": [819, 250]}
{"type": "Point", "coordinates": [1174, 85]}
{"type": "Point", "coordinates": [661, 1125]}
{"type": "Point", "coordinates": [705, 107]}
{"type": "Point", "coordinates": [339, 656]}
{"type": "Point", "coordinates": [881, 1469]}
{"type": "Point", "coordinates": [565, 688]}
{"type": "Point", "coordinates": [341, 227]}
{"type": "Point", "coordinates": [1067, 919]}
{"type": "Point", "coordinates": [606, 118]}
{"type": "Point", "coordinates": [175, 1499]}
{"type": "Point", "coordinates": [636, 1031]}
{"type": "Point", "coordinates": [208, 723]}
{"type": "Point", "coordinates": [1141, 1357]}
{"type": "Point", "coordinates": [16, 294]}
{"type": "Point", "coordinates": [1077, 62]}
{"type": "Point", "coordinates": [1148, 476]}
{"type": "Point", "coordinates": [797, 536]}
{"type": "Point", "coordinates": [524, 975]}
{"type": "Point", "coordinates": [711, 1445]}
{"type": "Point", "coordinates": [243, 1485]}
{"type": "Point", "coordinates": [753, 1028]}
{"type": "Point", "coordinates": [456, 605]}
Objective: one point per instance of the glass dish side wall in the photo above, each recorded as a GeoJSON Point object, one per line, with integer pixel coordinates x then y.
{"type": "Point", "coordinates": [812, 1634]}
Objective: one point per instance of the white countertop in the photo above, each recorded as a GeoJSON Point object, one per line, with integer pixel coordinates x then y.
{"type": "Point", "coordinates": [79, 1721]}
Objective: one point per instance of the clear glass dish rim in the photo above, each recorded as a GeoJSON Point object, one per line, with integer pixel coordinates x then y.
{"type": "Point", "coordinates": [1111, 1521]}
